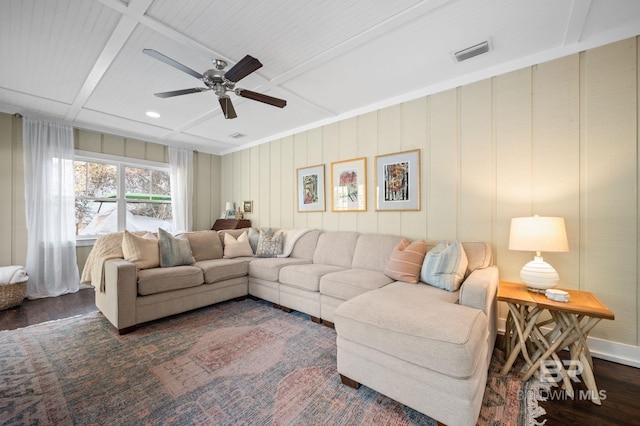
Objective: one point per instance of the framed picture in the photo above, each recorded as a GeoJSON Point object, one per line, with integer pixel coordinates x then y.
{"type": "Point", "coordinates": [247, 206]}
{"type": "Point", "coordinates": [349, 185]}
{"type": "Point", "coordinates": [398, 181]}
{"type": "Point", "coordinates": [311, 188]}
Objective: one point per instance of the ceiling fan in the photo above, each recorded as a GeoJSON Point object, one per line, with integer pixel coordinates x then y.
{"type": "Point", "coordinates": [219, 81]}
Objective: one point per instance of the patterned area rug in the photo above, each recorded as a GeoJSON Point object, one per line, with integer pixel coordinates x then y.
{"type": "Point", "coordinates": [232, 363]}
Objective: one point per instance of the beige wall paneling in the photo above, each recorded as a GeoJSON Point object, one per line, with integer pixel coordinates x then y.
{"type": "Point", "coordinates": [315, 154]}
{"type": "Point", "coordinates": [389, 142]}
{"type": "Point", "coordinates": [442, 198]}
{"type": "Point", "coordinates": [512, 139]}
{"type": "Point", "coordinates": [135, 149]}
{"type": "Point", "coordinates": [299, 160]}
{"type": "Point", "coordinates": [609, 163]}
{"type": "Point", "coordinates": [477, 165]}
{"type": "Point", "coordinates": [89, 141]}
{"type": "Point", "coordinates": [7, 188]}
{"type": "Point", "coordinates": [19, 218]}
{"type": "Point", "coordinates": [414, 136]}
{"type": "Point", "coordinates": [113, 145]}
{"type": "Point", "coordinates": [367, 136]}
{"type": "Point", "coordinates": [331, 153]}
{"type": "Point", "coordinates": [556, 156]}
{"type": "Point", "coordinates": [637, 286]}
{"type": "Point", "coordinates": [265, 184]}
{"type": "Point", "coordinates": [156, 152]}
{"type": "Point", "coordinates": [226, 192]}
{"type": "Point", "coordinates": [287, 184]}
{"type": "Point", "coordinates": [237, 176]}
{"type": "Point", "coordinates": [275, 171]}
{"type": "Point", "coordinates": [254, 191]}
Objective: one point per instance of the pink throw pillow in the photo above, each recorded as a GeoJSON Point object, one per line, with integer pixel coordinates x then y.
{"type": "Point", "coordinates": [406, 261]}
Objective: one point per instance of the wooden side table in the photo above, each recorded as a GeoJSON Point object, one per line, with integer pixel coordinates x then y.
{"type": "Point", "coordinates": [572, 321]}
{"type": "Point", "coordinates": [221, 224]}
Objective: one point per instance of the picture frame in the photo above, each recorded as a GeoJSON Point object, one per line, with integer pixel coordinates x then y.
{"type": "Point", "coordinates": [398, 181]}
{"type": "Point", "coordinates": [349, 185]}
{"type": "Point", "coordinates": [311, 190]}
{"type": "Point", "coordinates": [247, 206]}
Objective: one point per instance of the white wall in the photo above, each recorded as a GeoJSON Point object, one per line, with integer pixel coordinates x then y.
{"type": "Point", "coordinates": [555, 139]}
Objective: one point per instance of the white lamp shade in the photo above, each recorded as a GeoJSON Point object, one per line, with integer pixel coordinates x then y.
{"type": "Point", "coordinates": [538, 234]}
{"type": "Point", "coordinates": [229, 206]}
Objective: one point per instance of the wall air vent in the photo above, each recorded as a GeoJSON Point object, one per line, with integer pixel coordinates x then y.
{"type": "Point", "coordinates": [470, 52]}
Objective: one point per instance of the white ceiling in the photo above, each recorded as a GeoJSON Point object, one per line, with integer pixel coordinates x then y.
{"type": "Point", "coordinates": [81, 61]}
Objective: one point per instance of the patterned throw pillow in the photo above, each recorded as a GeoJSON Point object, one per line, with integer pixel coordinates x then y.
{"type": "Point", "coordinates": [174, 251]}
{"type": "Point", "coordinates": [143, 251]}
{"type": "Point", "coordinates": [406, 260]}
{"type": "Point", "coordinates": [444, 266]}
{"type": "Point", "coordinates": [236, 248]}
{"type": "Point", "coordinates": [269, 245]}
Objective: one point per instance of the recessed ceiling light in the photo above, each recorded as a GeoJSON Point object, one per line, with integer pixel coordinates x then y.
{"type": "Point", "coordinates": [153, 114]}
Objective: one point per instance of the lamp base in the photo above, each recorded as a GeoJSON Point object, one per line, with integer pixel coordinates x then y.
{"type": "Point", "coordinates": [538, 275]}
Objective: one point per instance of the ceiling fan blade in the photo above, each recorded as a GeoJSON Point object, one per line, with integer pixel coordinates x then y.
{"type": "Point", "coordinates": [227, 107]}
{"type": "Point", "coordinates": [180, 92]}
{"type": "Point", "coordinates": [260, 97]}
{"type": "Point", "coordinates": [177, 65]}
{"type": "Point", "coordinates": [246, 66]}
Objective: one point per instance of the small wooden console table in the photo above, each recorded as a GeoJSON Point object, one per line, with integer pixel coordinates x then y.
{"type": "Point", "coordinates": [221, 224]}
{"type": "Point", "coordinates": [571, 323]}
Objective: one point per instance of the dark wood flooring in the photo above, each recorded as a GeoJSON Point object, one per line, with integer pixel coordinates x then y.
{"type": "Point", "coordinates": [620, 384]}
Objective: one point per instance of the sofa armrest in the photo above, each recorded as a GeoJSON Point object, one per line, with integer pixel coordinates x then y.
{"type": "Point", "coordinates": [118, 301]}
{"type": "Point", "coordinates": [480, 291]}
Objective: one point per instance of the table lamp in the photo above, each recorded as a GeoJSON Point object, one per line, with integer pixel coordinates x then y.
{"type": "Point", "coordinates": [538, 234]}
{"type": "Point", "coordinates": [230, 210]}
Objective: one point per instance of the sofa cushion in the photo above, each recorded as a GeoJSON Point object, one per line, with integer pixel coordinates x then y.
{"type": "Point", "coordinates": [373, 251]}
{"type": "Point", "coordinates": [143, 251]}
{"type": "Point", "coordinates": [236, 247]}
{"type": "Point", "coordinates": [306, 277]}
{"type": "Point", "coordinates": [351, 282]}
{"type": "Point", "coordinates": [445, 266]}
{"type": "Point", "coordinates": [306, 245]}
{"type": "Point", "coordinates": [335, 248]}
{"type": "Point", "coordinates": [406, 261]}
{"type": "Point", "coordinates": [205, 245]}
{"type": "Point", "coordinates": [269, 243]}
{"type": "Point", "coordinates": [159, 280]}
{"type": "Point", "coordinates": [479, 255]}
{"type": "Point", "coordinates": [269, 269]}
{"type": "Point", "coordinates": [216, 270]}
{"type": "Point", "coordinates": [174, 251]}
{"type": "Point", "coordinates": [419, 324]}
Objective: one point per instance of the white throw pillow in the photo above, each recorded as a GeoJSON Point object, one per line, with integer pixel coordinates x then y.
{"type": "Point", "coordinates": [445, 266]}
{"type": "Point", "coordinates": [236, 248]}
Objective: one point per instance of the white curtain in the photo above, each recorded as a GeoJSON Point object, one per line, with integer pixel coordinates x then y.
{"type": "Point", "coordinates": [49, 198]}
{"type": "Point", "coordinates": [181, 162]}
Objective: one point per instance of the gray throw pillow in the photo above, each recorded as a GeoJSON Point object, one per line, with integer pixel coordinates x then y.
{"type": "Point", "coordinates": [269, 245]}
{"type": "Point", "coordinates": [444, 266]}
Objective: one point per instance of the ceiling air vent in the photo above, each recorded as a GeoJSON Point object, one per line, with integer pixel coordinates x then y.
{"type": "Point", "coordinates": [470, 52]}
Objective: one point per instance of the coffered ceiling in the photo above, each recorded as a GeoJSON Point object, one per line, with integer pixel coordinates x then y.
{"type": "Point", "coordinates": [81, 61]}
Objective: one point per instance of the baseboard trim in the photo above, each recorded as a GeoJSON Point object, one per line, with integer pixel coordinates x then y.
{"type": "Point", "coordinates": [604, 349]}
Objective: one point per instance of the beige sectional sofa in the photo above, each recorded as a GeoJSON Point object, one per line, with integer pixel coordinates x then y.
{"type": "Point", "coordinates": [425, 347]}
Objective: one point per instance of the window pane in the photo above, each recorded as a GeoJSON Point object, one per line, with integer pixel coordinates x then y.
{"type": "Point", "coordinates": [149, 217]}
{"type": "Point", "coordinates": [96, 217]}
{"type": "Point", "coordinates": [147, 184]}
{"type": "Point", "coordinates": [95, 179]}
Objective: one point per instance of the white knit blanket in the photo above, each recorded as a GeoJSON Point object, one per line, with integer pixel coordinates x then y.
{"type": "Point", "coordinates": [291, 236]}
{"type": "Point", "coordinates": [12, 274]}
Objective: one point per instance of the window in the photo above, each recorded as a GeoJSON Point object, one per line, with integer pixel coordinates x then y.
{"type": "Point", "coordinates": [113, 194]}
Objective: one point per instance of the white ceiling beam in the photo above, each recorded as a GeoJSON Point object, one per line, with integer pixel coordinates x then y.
{"type": "Point", "coordinates": [118, 38]}
{"type": "Point", "coordinates": [577, 20]}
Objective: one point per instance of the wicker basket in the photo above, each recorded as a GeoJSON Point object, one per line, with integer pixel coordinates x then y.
{"type": "Point", "coordinates": [12, 294]}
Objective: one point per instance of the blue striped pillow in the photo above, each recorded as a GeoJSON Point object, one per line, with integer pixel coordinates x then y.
{"type": "Point", "coordinates": [174, 251]}
{"type": "Point", "coordinates": [445, 266]}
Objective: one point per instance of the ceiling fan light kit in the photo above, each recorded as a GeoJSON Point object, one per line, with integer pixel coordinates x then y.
{"type": "Point", "coordinates": [220, 82]}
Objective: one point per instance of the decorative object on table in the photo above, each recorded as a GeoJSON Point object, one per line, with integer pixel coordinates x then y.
{"type": "Point", "coordinates": [230, 210]}
{"type": "Point", "coordinates": [349, 185]}
{"type": "Point", "coordinates": [13, 286]}
{"type": "Point", "coordinates": [538, 234]}
{"type": "Point", "coordinates": [398, 181]}
{"type": "Point", "coordinates": [557, 295]}
{"type": "Point", "coordinates": [247, 206]}
{"type": "Point", "coordinates": [311, 188]}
